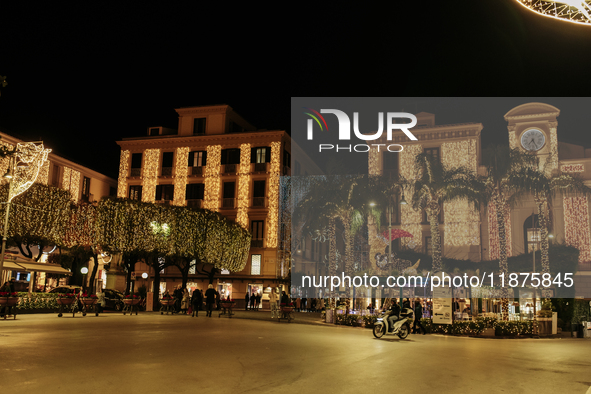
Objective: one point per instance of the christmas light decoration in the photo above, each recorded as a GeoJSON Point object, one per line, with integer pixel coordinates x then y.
{"type": "Point", "coordinates": [150, 174]}
{"type": "Point", "coordinates": [461, 218]}
{"type": "Point", "coordinates": [29, 159]}
{"type": "Point", "coordinates": [574, 11]}
{"type": "Point", "coordinates": [212, 178]}
{"type": "Point", "coordinates": [243, 185]}
{"type": "Point", "coordinates": [273, 216]}
{"type": "Point", "coordinates": [67, 175]}
{"type": "Point", "coordinates": [4, 161]}
{"type": "Point", "coordinates": [43, 177]}
{"type": "Point", "coordinates": [123, 173]}
{"type": "Point", "coordinates": [180, 175]}
{"type": "Point", "coordinates": [75, 184]}
{"type": "Point", "coordinates": [572, 168]}
{"type": "Point", "coordinates": [373, 162]}
{"type": "Point", "coordinates": [493, 233]}
{"type": "Point", "coordinates": [512, 137]}
{"type": "Point", "coordinates": [553, 148]}
{"type": "Point", "coordinates": [576, 226]}
{"type": "Point", "coordinates": [409, 218]}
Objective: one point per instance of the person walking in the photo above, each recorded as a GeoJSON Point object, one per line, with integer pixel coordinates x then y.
{"type": "Point", "coordinates": [246, 301]}
{"type": "Point", "coordinates": [284, 298]}
{"type": "Point", "coordinates": [298, 303]}
{"type": "Point", "coordinates": [273, 298]}
{"type": "Point", "coordinates": [418, 316]}
{"type": "Point", "coordinates": [196, 302]}
{"type": "Point", "coordinates": [8, 287]}
{"type": "Point", "coordinates": [177, 294]}
{"type": "Point", "coordinates": [210, 298]}
{"type": "Point", "coordinates": [304, 304]}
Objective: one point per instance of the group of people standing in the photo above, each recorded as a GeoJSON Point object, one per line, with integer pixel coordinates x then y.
{"type": "Point", "coordinates": [254, 300]}
{"type": "Point", "coordinates": [194, 302]}
{"type": "Point", "coordinates": [309, 304]}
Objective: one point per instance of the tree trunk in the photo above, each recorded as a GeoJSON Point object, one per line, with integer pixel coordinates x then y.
{"type": "Point", "coordinates": [91, 289]}
{"type": "Point", "coordinates": [153, 261]}
{"type": "Point", "coordinates": [332, 258]}
{"type": "Point", "coordinates": [211, 275]}
{"type": "Point", "coordinates": [501, 207]}
{"type": "Point", "coordinates": [542, 209]}
{"type": "Point", "coordinates": [433, 214]}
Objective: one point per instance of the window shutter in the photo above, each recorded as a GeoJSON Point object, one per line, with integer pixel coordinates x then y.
{"type": "Point", "coordinates": [224, 156]}
{"type": "Point", "coordinates": [268, 155]}
{"type": "Point", "coordinates": [158, 192]}
{"type": "Point", "coordinates": [253, 155]}
{"type": "Point", "coordinates": [191, 157]}
{"type": "Point", "coordinates": [204, 158]}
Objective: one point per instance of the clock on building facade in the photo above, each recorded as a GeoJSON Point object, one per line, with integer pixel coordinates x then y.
{"type": "Point", "coordinates": [533, 140]}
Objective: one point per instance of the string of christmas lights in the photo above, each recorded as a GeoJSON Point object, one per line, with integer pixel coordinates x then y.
{"type": "Point", "coordinates": [409, 218]}
{"type": "Point", "coordinates": [180, 175]}
{"type": "Point", "coordinates": [274, 175]}
{"type": "Point", "coordinates": [150, 166]}
{"type": "Point", "coordinates": [243, 185]}
{"type": "Point", "coordinates": [212, 177]}
{"type": "Point", "coordinates": [576, 226]}
{"type": "Point", "coordinates": [123, 174]}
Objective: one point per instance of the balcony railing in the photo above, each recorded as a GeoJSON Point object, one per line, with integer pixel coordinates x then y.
{"type": "Point", "coordinates": [228, 203]}
{"type": "Point", "coordinates": [196, 170]}
{"type": "Point", "coordinates": [258, 202]}
{"type": "Point", "coordinates": [166, 171]}
{"type": "Point", "coordinates": [229, 168]}
{"type": "Point", "coordinates": [196, 203]}
{"type": "Point", "coordinates": [256, 243]}
{"type": "Point", "coordinates": [136, 172]}
{"type": "Point", "coordinates": [260, 167]}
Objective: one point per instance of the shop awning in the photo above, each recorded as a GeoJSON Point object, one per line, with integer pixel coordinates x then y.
{"type": "Point", "coordinates": [45, 267]}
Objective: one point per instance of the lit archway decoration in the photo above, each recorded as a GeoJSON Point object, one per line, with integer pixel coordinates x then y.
{"type": "Point", "coordinates": [576, 11]}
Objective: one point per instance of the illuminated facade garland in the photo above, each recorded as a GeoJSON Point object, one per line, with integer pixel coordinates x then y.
{"type": "Point", "coordinates": [574, 11]}
{"type": "Point", "coordinates": [373, 161]}
{"type": "Point", "coordinates": [44, 173]}
{"type": "Point", "coordinates": [512, 138]}
{"type": "Point", "coordinates": [71, 182]}
{"type": "Point", "coordinates": [243, 185]}
{"type": "Point", "coordinates": [410, 219]}
{"type": "Point", "coordinates": [273, 216]}
{"type": "Point", "coordinates": [180, 175]}
{"type": "Point", "coordinates": [212, 178]}
{"type": "Point", "coordinates": [553, 148]}
{"type": "Point", "coordinates": [150, 174]}
{"type": "Point", "coordinates": [493, 233]}
{"type": "Point", "coordinates": [123, 173]}
{"type": "Point", "coordinates": [576, 226]}
{"type": "Point", "coordinates": [462, 223]}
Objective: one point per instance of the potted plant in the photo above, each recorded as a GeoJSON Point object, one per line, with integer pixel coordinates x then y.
{"type": "Point", "coordinates": [66, 299]}
{"type": "Point", "coordinates": [286, 307]}
{"type": "Point", "coordinates": [131, 299]}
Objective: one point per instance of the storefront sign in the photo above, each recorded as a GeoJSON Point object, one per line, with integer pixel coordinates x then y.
{"type": "Point", "coordinates": [442, 305]}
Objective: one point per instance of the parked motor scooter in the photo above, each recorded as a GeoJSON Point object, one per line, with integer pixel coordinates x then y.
{"type": "Point", "coordinates": [401, 327]}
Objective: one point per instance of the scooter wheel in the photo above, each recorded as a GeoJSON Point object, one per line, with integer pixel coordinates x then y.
{"type": "Point", "coordinates": [379, 330]}
{"type": "Point", "coordinates": [404, 330]}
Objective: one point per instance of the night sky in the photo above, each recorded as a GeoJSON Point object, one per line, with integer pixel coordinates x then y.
{"type": "Point", "coordinates": [83, 76]}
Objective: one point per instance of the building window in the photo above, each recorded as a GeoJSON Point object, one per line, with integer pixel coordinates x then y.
{"type": "Point", "coordinates": [136, 164]}
{"type": "Point", "coordinates": [86, 189]}
{"type": "Point", "coordinates": [199, 126]}
{"type": "Point", "coordinates": [257, 228]}
{"type": "Point", "coordinates": [531, 230]}
{"type": "Point", "coordinates": [258, 196]}
{"type": "Point", "coordinates": [433, 152]}
{"type": "Point", "coordinates": [255, 264]}
{"type": "Point", "coordinates": [286, 159]}
{"type": "Point", "coordinates": [194, 191]}
{"type": "Point", "coordinates": [164, 192]}
{"type": "Point", "coordinates": [198, 159]}
{"type": "Point", "coordinates": [228, 196]}
{"type": "Point", "coordinates": [155, 131]}
{"type": "Point", "coordinates": [231, 156]}
{"type": "Point", "coordinates": [135, 193]}
{"type": "Point", "coordinates": [235, 127]}
{"type": "Point", "coordinates": [260, 155]}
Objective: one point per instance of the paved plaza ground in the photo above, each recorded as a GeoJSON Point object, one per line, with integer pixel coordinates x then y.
{"type": "Point", "coordinates": [153, 353]}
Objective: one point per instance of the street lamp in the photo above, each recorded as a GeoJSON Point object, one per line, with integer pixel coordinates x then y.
{"type": "Point", "coordinates": [25, 162]}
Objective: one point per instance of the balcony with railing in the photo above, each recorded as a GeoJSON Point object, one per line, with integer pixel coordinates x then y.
{"type": "Point", "coordinates": [228, 203]}
{"type": "Point", "coordinates": [196, 171]}
{"type": "Point", "coordinates": [166, 171]}
{"type": "Point", "coordinates": [256, 243]}
{"type": "Point", "coordinates": [258, 202]}
{"type": "Point", "coordinates": [136, 172]}
{"type": "Point", "coordinates": [229, 168]}
{"type": "Point", "coordinates": [260, 167]}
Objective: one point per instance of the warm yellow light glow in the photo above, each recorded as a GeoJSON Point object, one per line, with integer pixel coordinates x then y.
{"type": "Point", "coordinates": [409, 218]}
{"type": "Point", "coordinates": [44, 173]}
{"type": "Point", "coordinates": [180, 175]}
{"type": "Point", "coordinates": [576, 226]}
{"type": "Point", "coordinates": [572, 168]}
{"type": "Point", "coordinates": [29, 160]}
{"type": "Point", "coordinates": [373, 164]}
{"type": "Point", "coordinates": [494, 251]}
{"type": "Point", "coordinates": [243, 185]}
{"type": "Point", "coordinates": [150, 174]}
{"type": "Point", "coordinates": [273, 218]}
{"type": "Point", "coordinates": [66, 178]}
{"type": "Point", "coordinates": [574, 11]}
{"type": "Point", "coordinates": [553, 148]}
{"type": "Point", "coordinates": [461, 218]}
{"type": "Point", "coordinates": [212, 178]}
{"type": "Point", "coordinates": [123, 173]}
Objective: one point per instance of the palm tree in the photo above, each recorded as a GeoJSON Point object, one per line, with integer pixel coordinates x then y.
{"type": "Point", "coordinates": [502, 179]}
{"type": "Point", "coordinates": [544, 186]}
{"type": "Point", "coordinates": [434, 185]}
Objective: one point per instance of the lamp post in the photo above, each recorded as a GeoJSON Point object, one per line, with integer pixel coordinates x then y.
{"type": "Point", "coordinates": [9, 175]}
{"type": "Point", "coordinates": [84, 271]}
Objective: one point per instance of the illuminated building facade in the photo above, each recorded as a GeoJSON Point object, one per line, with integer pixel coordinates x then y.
{"type": "Point", "coordinates": [216, 160]}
